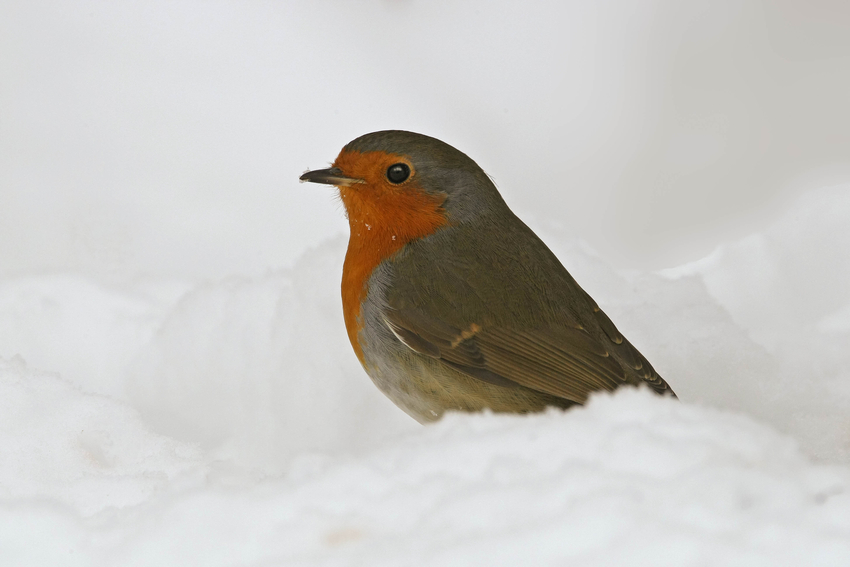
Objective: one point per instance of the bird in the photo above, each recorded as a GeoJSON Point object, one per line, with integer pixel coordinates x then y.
{"type": "Point", "coordinates": [452, 303]}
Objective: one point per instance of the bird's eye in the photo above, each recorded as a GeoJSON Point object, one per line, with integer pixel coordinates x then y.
{"type": "Point", "coordinates": [398, 173]}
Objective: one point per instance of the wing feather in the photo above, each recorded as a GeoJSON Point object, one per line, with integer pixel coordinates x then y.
{"type": "Point", "coordinates": [552, 338]}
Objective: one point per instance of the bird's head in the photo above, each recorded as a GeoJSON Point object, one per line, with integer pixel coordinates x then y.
{"type": "Point", "coordinates": [408, 183]}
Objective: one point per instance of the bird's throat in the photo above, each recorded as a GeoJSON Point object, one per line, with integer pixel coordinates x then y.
{"type": "Point", "coordinates": [381, 224]}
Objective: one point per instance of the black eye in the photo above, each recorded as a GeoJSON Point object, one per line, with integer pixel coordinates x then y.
{"type": "Point", "coordinates": [398, 173]}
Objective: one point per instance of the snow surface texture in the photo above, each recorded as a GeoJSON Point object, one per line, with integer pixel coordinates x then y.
{"type": "Point", "coordinates": [229, 423]}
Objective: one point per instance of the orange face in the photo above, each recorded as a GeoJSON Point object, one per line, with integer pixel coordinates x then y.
{"type": "Point", "coordinates": [383, 216]}
{"type": "Point", "coordinates": [403, 210]}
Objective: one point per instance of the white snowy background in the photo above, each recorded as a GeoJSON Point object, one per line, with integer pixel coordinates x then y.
{"type": "Point", "coordinates": [176, 386]}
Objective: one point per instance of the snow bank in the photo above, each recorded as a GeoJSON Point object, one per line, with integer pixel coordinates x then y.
{"type": "Point", "coordinates": [789, 286]}
{"type": "Point", "coordinates": [630, 479]}
{"type": "Point", "coordinates": [260, 369]}
{"type": "Point", "coordinates": [229, 423]}
{"type": "Point", "coordinates": [86, 451]}
{"type": "Point", "coordinates": [788, 289]}
{"type": "Point", "coordinates": [88, 330]}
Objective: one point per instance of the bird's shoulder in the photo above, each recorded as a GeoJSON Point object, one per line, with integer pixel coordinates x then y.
{"type": "Point", "coordinates": [495, 268]}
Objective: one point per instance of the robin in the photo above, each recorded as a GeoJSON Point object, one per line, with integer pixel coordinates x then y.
{"type": "Point", "coordinates": [451, 302]}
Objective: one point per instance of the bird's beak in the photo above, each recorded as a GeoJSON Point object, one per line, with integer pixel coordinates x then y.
{"type": "Point", "coordinates": [330, 176]}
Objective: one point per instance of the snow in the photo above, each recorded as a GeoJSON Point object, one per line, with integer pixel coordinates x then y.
{"type": "Point", "coordinates": [239, 429]}
{"type": "Point", "coordinates": [631, 479]}
{"type": "Point", "coordinates": [84, 451]}
{"type": "Point", "coordinates": [176, 384]}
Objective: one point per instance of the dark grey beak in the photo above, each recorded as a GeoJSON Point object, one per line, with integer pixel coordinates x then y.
{"type": "Point", "coordinates": [330, 176]}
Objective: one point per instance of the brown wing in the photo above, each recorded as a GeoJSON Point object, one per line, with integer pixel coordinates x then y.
{"type": "Point", "coordinates": [562, 361]}
{"type": "Point", "coordinates": [628, 356]}
{"type": "Point", "coordinates": [548, 335]}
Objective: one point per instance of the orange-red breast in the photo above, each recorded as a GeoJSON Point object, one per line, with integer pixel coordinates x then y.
{"type": "Point", "coordinates": [451, 302]}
